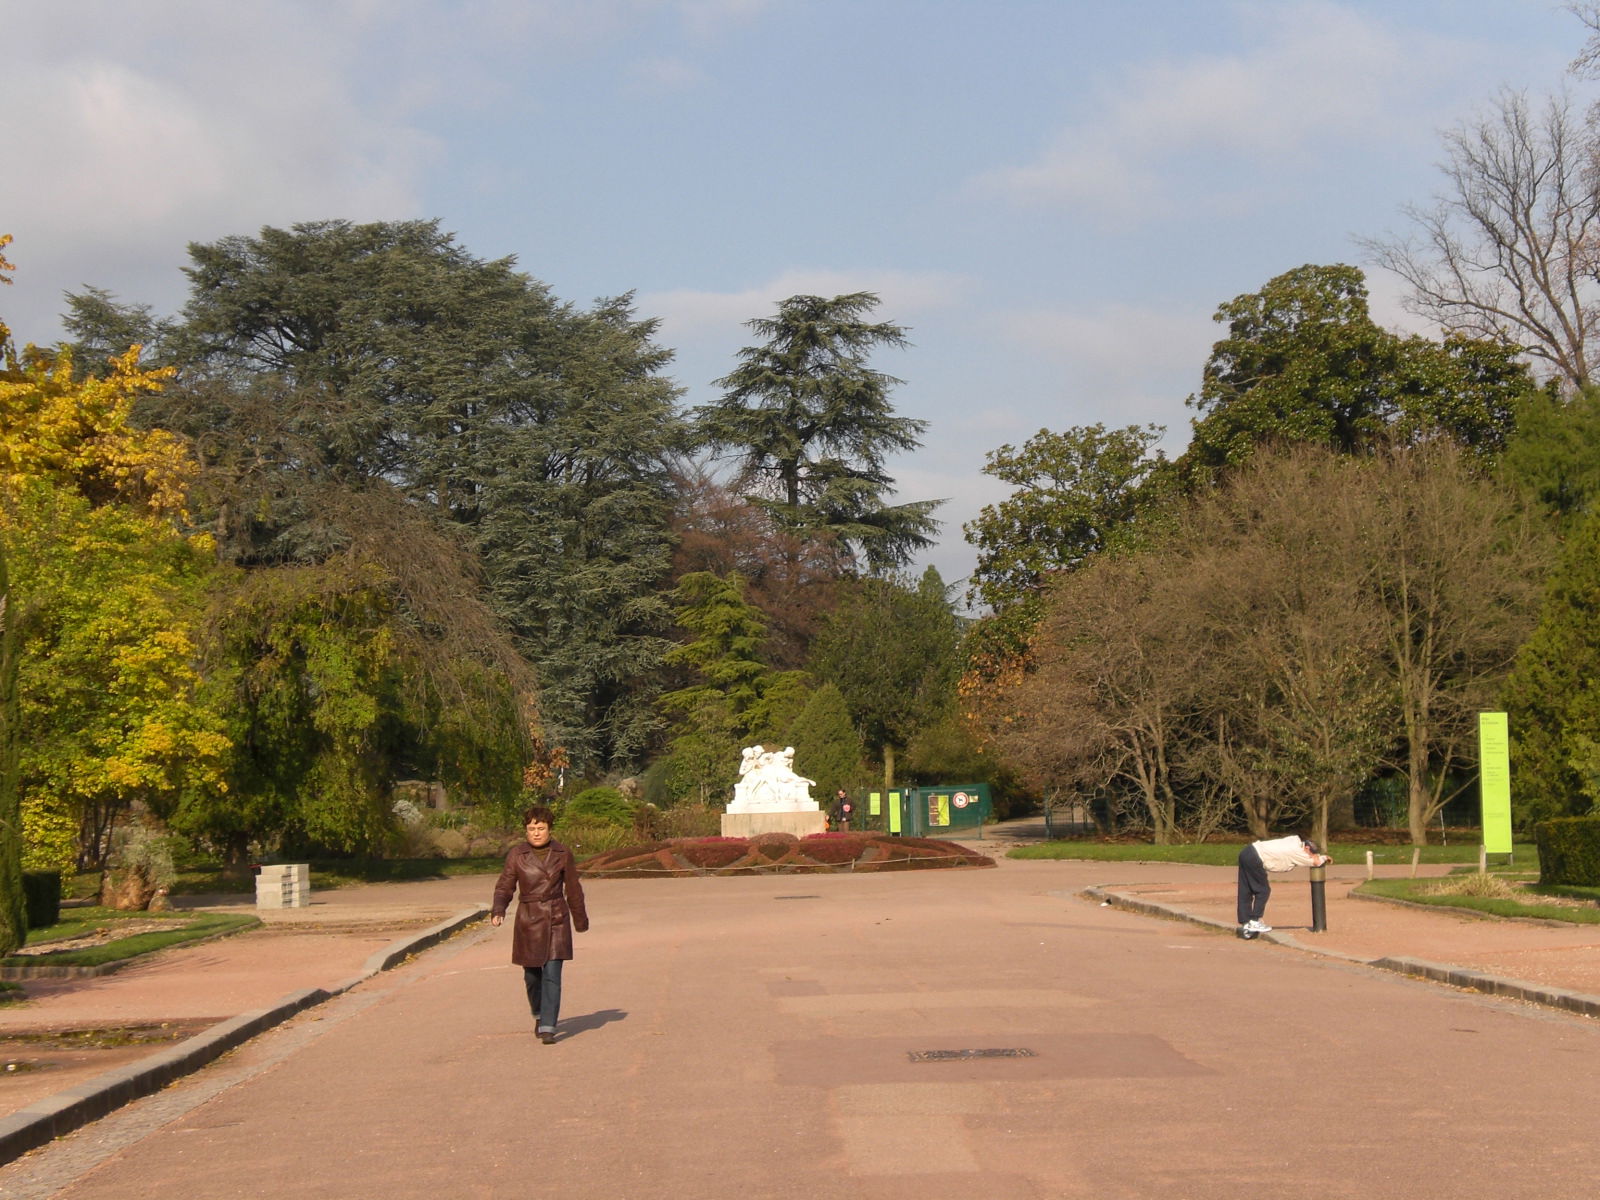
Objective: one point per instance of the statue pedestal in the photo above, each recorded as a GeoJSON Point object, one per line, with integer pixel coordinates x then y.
{"type": "Point", "coordinates": [748, 824]}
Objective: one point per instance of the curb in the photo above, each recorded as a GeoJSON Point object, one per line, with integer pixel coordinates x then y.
{"type": "Point", "coordinates": [1474, 981]}
{"type": "Point", "coordinates": [50, 1118]}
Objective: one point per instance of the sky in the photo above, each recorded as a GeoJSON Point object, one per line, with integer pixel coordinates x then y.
{"type": "Point", "coordinates": [1053, 196]}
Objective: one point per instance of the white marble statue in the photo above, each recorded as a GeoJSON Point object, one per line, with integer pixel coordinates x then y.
{"type": "Point", "coordinates": [768, 783]}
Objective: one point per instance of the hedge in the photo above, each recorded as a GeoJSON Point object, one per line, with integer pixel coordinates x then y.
{"type": "Point", "coordinates": [1569, 851]}
{"type": "Point", "coordinates": [41, 892]}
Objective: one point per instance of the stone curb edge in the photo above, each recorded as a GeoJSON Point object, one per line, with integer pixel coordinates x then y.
{"type": "Point", "coordinates": [50, 1118]}
{"type": "Point", "coordinates": [1475, 981]}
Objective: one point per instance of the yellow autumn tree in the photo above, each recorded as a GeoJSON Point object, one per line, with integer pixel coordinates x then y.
{"type": "Point", "coordinates": [107, 592]}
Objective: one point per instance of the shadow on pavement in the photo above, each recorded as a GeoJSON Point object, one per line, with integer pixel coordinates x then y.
{"type": "Point", "coordinates": [571, 1026]}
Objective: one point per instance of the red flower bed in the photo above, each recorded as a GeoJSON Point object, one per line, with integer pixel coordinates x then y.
{"type": "Point", "coordinates": [781, 854]}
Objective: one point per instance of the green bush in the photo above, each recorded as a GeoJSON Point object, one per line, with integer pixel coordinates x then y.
{"type": "Point", "coordinates": [41, 891]}
{"type": "Point", "coordinates": [584, 837]}
{"type": "Point", "coordinates": [1569, 851]}
{"type": "Point", "coordinates": [598, 806]}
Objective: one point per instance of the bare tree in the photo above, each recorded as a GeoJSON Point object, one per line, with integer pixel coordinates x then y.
{"type": "Point", "coordinates": [1511, 251]}
{"type": "Point", "coordinates": [1272, 570]}
{"type": "Point", "coordinates": [1457, 567]}
{"type": "Point", "coordinates": [1587, 64]}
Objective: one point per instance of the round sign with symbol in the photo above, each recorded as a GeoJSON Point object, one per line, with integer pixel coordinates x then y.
{"type": "Point", "coordinates": [961, 799]}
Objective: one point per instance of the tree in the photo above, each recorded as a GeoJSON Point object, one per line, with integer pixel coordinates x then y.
{"type": "Point", "coordinates": [13, 906]}
{"type": "Point", "coordinates": [1457, 569]}
{"type": "Point", "coordinates": [107, 681]}
{"type": "Point", "coordinates": [1551, 460]}
{"type": "Point", "coordinates": [811, 427]}
{"type": "Point", "coordinates": [1269, 570]}
{"type": "Point", "coordinates": [323, 364]}
{"type": "Point", "coordinates": [1314, 620]}
{"type": "Point", "coordinates": [1508, 253]}
{"type": "Point", "coordinates": [1078, 493]}
{"type": "Point", "coordinates": [892, 651]}
{"type": "Point", "coordinates": [1551, 700]}
{"type": "Point", "coordinates": [789, 575]}
{"type": "Point", "coordinates": [729, 696]}
{"type": "Point", "coordinates": [1304, 362]}
{"type": "Point", "coordinates": [827, 748]}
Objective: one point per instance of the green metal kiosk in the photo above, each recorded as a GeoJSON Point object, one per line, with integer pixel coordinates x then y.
{"type": "Point", "coordinates": [939, 811]}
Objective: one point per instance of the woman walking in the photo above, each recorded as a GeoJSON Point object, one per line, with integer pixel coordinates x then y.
{"type": "Point", "coordinates": [549, 907]}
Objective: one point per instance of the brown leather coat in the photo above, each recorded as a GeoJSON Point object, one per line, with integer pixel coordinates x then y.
{"type": "Point", "coordinates": [549, 905]}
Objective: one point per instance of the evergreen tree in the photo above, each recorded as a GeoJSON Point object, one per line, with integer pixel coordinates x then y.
{"type": "Point", "coordinates": [1552, 698]}
{"type": "Point", "coordinates": [1551, 459]}
{"type": "Point", "coordinates": [892, 651]}
{"type": "Point", "coordinates": [731, 693]}
{"type": "Point", "coordinates": [322, 364]}
{"type": "Point", "coordinates": [811, 427]}
{"type": "Point", "coordinates": [827, 748]}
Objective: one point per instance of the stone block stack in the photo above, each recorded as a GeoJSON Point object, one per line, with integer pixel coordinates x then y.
{"type": "Point", "coordinates": [283, 885]}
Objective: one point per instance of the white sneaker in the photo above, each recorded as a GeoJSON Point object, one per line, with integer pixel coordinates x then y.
{"type": "Point", "coordinates": [1258, 927]}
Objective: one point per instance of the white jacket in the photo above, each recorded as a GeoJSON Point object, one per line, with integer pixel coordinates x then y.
{"type": "Point", "coordinates": [1285, 854]}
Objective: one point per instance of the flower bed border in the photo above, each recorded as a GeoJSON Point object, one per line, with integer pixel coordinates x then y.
{"type": "Point", "coordinates": [778, 854]}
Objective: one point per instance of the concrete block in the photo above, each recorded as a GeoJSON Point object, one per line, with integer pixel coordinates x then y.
{"type": "Point", "coordinates": [749, 824]}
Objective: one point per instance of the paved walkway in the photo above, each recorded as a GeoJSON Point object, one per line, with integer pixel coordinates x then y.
{"type": "Point", "coordinates": [750, 1037]}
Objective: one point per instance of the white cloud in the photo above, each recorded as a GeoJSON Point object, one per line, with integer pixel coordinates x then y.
{"type": "Point", "coordinates": [668, 74]}
{"type": "Point", "coordinates": [1120, 364]}
{"type": "Point", "coordinates": [1316, 72]}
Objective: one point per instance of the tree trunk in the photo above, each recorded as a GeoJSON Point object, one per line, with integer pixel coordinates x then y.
{"type": "Point", "coordinates": [1417, 794]}
{"type": "Point", "coordinates": [888, 771]}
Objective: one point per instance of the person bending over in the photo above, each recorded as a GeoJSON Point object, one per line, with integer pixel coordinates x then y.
{"type": "Point", "coordinates": [1269, 855]}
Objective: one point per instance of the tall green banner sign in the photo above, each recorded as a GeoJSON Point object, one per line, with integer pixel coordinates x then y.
{"type": "Point", "coordinates": [1494, 781]}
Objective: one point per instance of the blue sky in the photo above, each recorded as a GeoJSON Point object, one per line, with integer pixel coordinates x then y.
{"type": "Point", "coordinates": [1054, 197]}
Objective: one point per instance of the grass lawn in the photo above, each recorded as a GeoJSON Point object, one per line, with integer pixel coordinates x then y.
{"type": "Point", "coordinates": [1574, 905]}
{"type": "Point", "coordinates": [85, 922]}
{"type": "Point", "coordinates": [1223, 854]}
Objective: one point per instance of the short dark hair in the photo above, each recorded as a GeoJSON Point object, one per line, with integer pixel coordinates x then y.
{"type": "Point", "coordinates": [538, 812]}
{"type": "Point", "coordinates": [1311, 846]}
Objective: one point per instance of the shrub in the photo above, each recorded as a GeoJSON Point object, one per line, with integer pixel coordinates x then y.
{"type": "Point", "coordinates": [690, 820]}
{"type": "Point", "coordinates": [599, 805]}
{"type": "Point", "coordinates": [41, 892]}
{"type": "Point", "coordinates": [1474, 884]}
{"type": "Point", "coordinates": [1569, 851]}
{"type": "Point", "coordinates": [585, 837]}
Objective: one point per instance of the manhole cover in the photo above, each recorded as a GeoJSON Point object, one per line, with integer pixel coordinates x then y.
{"type": "Point", "coordinates": [957, 1055]}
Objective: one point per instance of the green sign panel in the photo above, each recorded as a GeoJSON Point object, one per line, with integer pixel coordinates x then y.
{"type": "Point", "coordinates": [1494, 781]}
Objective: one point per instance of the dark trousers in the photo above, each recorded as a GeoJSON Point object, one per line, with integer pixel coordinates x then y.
{"type": "Point", "coordinates": [544, 992]}
{"type": "Point", "coordinates": [1253, 886]}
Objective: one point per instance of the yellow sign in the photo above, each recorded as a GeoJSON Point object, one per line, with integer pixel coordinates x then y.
{"type": "Point", "coordinates": [1494, 781]}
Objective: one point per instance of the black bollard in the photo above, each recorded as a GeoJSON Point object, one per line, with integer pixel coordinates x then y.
{"type": "Point", "coordinates": [1319, 900]}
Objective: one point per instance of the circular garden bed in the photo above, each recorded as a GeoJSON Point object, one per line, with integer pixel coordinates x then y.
{"type": "Point", "coordinates": [779, 853]}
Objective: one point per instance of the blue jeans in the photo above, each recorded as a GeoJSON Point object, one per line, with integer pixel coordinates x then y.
{"type": "Point", "coordinates": [544, 993]}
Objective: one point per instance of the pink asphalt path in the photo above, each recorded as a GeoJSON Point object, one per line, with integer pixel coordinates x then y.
{"type": "Point", "coordinates": [750, 1038]}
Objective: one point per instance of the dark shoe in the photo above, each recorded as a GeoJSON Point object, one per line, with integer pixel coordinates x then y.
{"type": "Point", "coordinates": [547, 1036]}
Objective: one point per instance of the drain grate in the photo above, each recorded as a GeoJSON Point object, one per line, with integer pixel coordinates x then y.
{"type": "Point", "coordinates": [959, 1055]}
